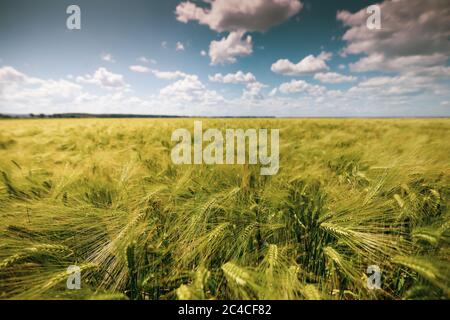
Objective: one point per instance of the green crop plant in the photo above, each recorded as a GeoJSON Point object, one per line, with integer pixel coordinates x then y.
{"type": "Point", "coordinates": [104, 195]}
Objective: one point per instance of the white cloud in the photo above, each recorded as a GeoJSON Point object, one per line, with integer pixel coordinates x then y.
{"type": "Point", "coordinates": [9, 74]}
{"type": "Point", "coordinates": [227, 49]}
{"type": "Point", "coordinates": [146, 60]}
{"type": "Point", "coordinates": [179, 46]}
{"type": "Point", "coordinates": [237, 15]}
{"type": "Point", "coordinates": [308, 65]}
{"type": "Point", "coordinates": [188, 83]}
{"type": "Point", "coordinates": [273, 92]}
{"type": "Point", "coordinates": [238, 77]}
{"type": "Point", "coordinates": [21, 93]}
{"type": "Point", "coordinates": [203, 53]}
{"type": "Point", "coordinates": [18, 90]}
{"type": "Point", "coordinates": [143, 60]}
{"type": "Point", "coordinates": [434, 72]}
{"type": "Point", "coordinates": [189, 90]}
{"type": "Point", "coordinates": [139, 69]}
{"type": "Point", "coordinates": [412, 44]}
{"type": "Point", "coordinates": [335, 93]}
{"type": "Point", "coordinates": [413, 37]}
{"type": "Point", "coordinates": [108, 58]}
{"type": "Point", "coordinates": [412, 63]}
{"type": "Point", "coordinates": [399, 85]}
{"type": "Point", "coordinates": [296, 86]}
{"type": "Point", "coordinates": [332, 77]}
{"type": "Point", "coordinates": [169, 75]}
{"type": "Point", "coordinates": [253, 91]}
{"type": "Point", "coordinates": [104, 78]}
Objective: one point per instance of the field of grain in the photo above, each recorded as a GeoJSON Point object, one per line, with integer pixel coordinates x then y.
{"type": "Point", "coordinates": [104, 195]}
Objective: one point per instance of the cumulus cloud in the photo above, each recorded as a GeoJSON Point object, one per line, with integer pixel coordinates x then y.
{"type": "Point", "coordinates": [413, 44]}
{"type": "Point", "coordinates": [253, 90]}
{"type": "Point", "coordinates": [309, 65]}
{"type": "Point", "coordinates": [414, 35]}
{"type": "Point", "coordinates": [333, 77]}
{"type": "Point", "coordinates": [19, 90]}
{"type": "Point", "coordinates": [238, 18]}
{"type": "Point", "coordinates": [398, 85]}
{"type": "Point", "coordinates": [237, 15]}
{"type": "Point", "coordinates": [21, 93]}
{"type": "Point", "coordinates": [139, 69]}
{"type": "Point", "coordinates": [188, 90]}
{"type": "Point", "coordinates": [273, 92]}
{"type": "Point", "coordinates": [143, 59]}
{"type": "Point", "coordinates": [9, 75]}
{"type": "Point", "coordinates": [383, 95]}
{"type": "Point", "coordinates": [227, 49]}
{"type": "Point", "coordinates": [296, 86]}
{"type": "Point", "coordinates": [146, 60]}
{"type": "Point", "coordinates": [238, 77]}
{"type": "Point", "coordinates": [104, 78]}
{"type": "Point", "coordinates": [179, 46]}
{"type": "Point", "coordinates": [379, 62]}
{"type": "Point", "coordinates": [188, 83]}
{"type": "Point", "coordinates": [108, 58]}
{"type": "Point", "coordinates": [169, 75]}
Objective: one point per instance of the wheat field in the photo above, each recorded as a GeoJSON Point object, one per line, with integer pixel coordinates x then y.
{"type": "Point", "coordinates": [103, 194]}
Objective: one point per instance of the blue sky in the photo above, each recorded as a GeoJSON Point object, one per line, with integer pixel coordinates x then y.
{"type": "Point", "coordinates": [226, 57]}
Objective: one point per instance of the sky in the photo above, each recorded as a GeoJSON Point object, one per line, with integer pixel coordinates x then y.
{"type": "Point", "coordinates": [285, 58]}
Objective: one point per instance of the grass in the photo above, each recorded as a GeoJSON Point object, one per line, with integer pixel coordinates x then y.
{"type": "Point", "coordinates": [104, 195]}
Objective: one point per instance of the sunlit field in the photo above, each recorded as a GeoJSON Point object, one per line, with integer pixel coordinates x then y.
{"type": "Point", "coordinates": [104, 195]}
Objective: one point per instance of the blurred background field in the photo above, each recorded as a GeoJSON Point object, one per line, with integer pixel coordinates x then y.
{"type": "Point", "coordinates": [103, 194]}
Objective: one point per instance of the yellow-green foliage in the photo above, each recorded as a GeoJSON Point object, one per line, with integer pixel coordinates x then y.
{"type": "Point", "coordinates": [104, 195]}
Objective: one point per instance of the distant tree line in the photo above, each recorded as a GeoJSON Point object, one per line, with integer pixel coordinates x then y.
{"type": "Point", "coordinates": [88, 115]}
